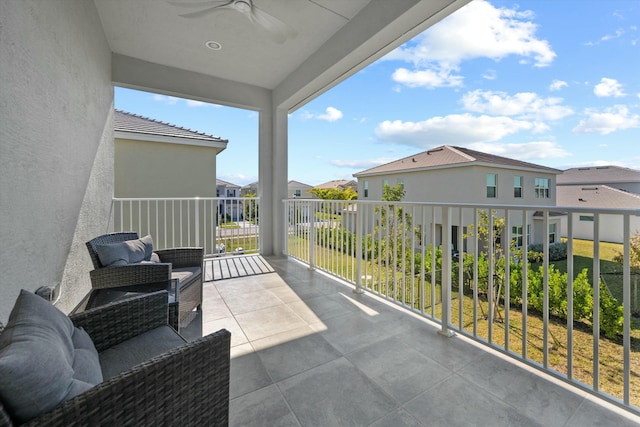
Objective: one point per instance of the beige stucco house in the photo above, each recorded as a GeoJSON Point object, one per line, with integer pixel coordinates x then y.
{"type": "Point", "coordinates": [599, 187]}
{"type": "Point", "coordinates": [299, 190]}
{"type": "Point", "coordinates": [156, 159]}
{"type": "Point", "coordinates": [339, 183]}
{"type": "Point", "coordinates": [448, 174]}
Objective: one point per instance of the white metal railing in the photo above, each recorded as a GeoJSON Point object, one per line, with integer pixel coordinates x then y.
{"type": "Point", "coordinates": [221, 225]}
{"type": "Point", "coordinates": [463, 266]}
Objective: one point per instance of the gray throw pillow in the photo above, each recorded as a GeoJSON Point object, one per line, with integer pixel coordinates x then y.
{"type": "Point", "coordinates": [127, 252]}
{"type": "Point", "coordinates": [37, 357]}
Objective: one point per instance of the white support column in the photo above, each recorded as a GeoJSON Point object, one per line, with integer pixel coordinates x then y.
{"type": "Point", "coordinates": [272, 184]}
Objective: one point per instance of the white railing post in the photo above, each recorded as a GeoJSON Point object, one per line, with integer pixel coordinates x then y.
{"type": "Point", "coordinates": [311, 213]}
{"type": "Point", "coordinates": [197, 219]}
{"type": "Point", "coordinates": [446, 272]}
{"type": "Point", "coordinates": [359, 213]}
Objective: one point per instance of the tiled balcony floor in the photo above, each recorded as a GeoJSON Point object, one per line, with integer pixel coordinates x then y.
{"type": "Point", "coordinates": [308, 351]}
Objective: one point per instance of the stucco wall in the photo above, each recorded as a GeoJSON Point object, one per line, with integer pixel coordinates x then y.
{"type": "Point", "coordinates": [159, 169]}
{"type": "Point", "coordinates": [56, 147]}
{"type": "Point", "coordinates": [460, 185]}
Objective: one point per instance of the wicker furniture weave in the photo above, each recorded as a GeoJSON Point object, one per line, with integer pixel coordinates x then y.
{"type": "Point", "coordinates": [188, 385]}
{"type": "Point", "coordinates": [149, 277]}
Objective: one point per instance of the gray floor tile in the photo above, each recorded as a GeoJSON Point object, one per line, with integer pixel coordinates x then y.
{"type": "Point", "coordinates": [269, 321]}
{"type": "Point", "coordinates": [265, 407]}
{"type": "Point", "coordinates": [537, 397]}
{"type": "Point", "coordinates": [248, 374]}
{"type": "Point", "coordinates": [398, 418]}
{"type": "Point", "coordinates": [352, 331]}
{"type": "Point", "coordinates": [591, 414]}
{"type": "Point", "coordinates": [292, 352]}
{"type": "Point", "coordinates": [457, 402]}
{"type": "Point", "coordinates": [400, 370]}
{"type": "Point", "coordinates": [335, 394]}
{"type": "Point", "coordinates": [452, 352]}
{"type": "Point", "coordinates": [229, 323]}
{"type": "Point", "coordinates": [251, 300]}
{"type": "Point", "coordinates": [322, 307]}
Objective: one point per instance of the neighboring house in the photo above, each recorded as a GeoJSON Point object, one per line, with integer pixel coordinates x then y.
{"type": "Point", "coordinates": [299, 190]}
{"type": "Point", "coordinates": [230, 204]}
{"type": "Point", "coordinates": [449, 174]}
{"type": "Point", "coordinates": [597, 196]}
{"type": "Point", "coordinates": [613, 176]}
{"type": "Point", "coordinates": [156, 159]}
{"type": "Point", "coordinates": [249, 189]}
{"type": "Point", "coordinates": [599, 187]}
{"type": "Point", "coordinates": [342, 184]}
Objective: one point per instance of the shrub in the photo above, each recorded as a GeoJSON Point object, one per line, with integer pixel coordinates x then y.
{"type": "Point", "coordinates": [557, 252]}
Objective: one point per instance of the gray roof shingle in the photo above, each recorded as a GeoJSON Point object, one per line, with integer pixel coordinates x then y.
{"type": "Point", "coordinates": [598, 175]}
{"type": "Point", "coordinates": [447, 155]}
{"type": "Point", "coordinates": [128, 122]}
{"type": "Point", "coordinates": [596, 196]}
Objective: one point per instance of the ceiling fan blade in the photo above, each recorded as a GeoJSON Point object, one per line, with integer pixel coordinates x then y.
{"type": "Point", "coordinates": [210, 6]}
{"type": "Point", "coordinates": [277, 30]}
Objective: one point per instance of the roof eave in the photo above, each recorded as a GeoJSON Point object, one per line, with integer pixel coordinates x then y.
{"type": "Point", "coordinates": [141, 136]}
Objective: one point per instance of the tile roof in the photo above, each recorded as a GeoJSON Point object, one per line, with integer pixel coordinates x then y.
{"type": "Point", "coordinates": [298, 184]}
{"type": "Point", "coordinates": [128, 122]}
{"type": "Point", "coordinates": [336, 183]}
{"type": "Point", "coordinates": [226, 184]}
{"type": "Point", "coordinates": [446, 156]}
{"type": "Point", "coordinates": [600, 196]}
{"type": "Point", "coordinates": [598, 175]}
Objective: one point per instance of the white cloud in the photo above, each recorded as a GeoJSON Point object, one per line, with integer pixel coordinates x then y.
{"type": "Point", "coordinates": [524, 105]}
{"type": "Point", "coordinates": [360, 163]}
{"type": "Point", "coordinates": [608, 88]}
{"type": "Point", "coordinates": [426, 78]}
{"type": "Point", "coordinates": [452, 129]}
{"type": "Point", "coordinates": [173, 100]}
{"type": "Point", "coordinates": [331, 114]}
{"type": "Point", "coordinates": [169, 100]}
{"type": "Point", "coordinates": [557, 85]}
{"type": "Point", "coordinates": [537, 150]}
{"type": "Point", "coordinates": [610, 120]}
{"type": "Point", "coordinates": [478, 30]}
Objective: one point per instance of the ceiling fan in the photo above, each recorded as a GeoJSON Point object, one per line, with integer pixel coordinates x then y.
{"type": "Point", "coordinates": [277, 30]}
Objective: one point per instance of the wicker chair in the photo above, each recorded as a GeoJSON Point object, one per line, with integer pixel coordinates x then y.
{"type": "Point", "coordinates": [113, 283]}
{"type": "Point", "coordinates": [185, 385]}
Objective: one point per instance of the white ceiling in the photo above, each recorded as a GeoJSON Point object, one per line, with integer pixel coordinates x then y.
{"type": "Point", "coordinates": [334, 37]}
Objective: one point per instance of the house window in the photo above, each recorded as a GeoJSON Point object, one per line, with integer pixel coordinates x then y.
{"type": "Point", "coordinates": [384, 182]}
{"type": "Point", "coordinates": [516, 235]}
{"type": "Point", "coordinates": [517, 187]}
{"type": "Point", "coordinates": [542, 188]}
{"type": "Point", "coordinates": [586, 218]}
{"type": "Point", "coordinates": [298, 193]}
{"type": "Point", "coordinates": [400, 182]}
{"type": "Point", "coordinates": [492, 185]}
{"type": "Point", "coordinates": [552, 233]}
{"type": "Point", "coordinates": [366, 189]}
{"type": "Point", "coordinates": [230, 193]}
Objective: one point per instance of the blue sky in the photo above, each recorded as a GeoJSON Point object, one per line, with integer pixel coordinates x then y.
{"type": "Point", "coordinates": [552, 82]}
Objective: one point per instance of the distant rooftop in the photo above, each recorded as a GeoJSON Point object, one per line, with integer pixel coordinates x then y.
{"type": "Point", "coordinates": [449, 156]}
{"type": "Point", "coordinates": [133, 123]}
{"type": "Point", "coordinates": [596, 196]}
{"type": "Point", "coordinates": [598, 175]}
{"type": "Point", "coordinates": [336, 183]}
{"type": "Point", "coordinates": [226, 184]}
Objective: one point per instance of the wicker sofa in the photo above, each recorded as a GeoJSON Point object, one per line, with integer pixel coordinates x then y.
{"type": "Point", "coordinates": [168, 382]}
{"type": "Point", "coordinates": [178, 265]}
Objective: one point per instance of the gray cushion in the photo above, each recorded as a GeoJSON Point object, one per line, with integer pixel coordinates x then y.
{"type": "Point", "coordinates": [185, 274]}
{"type": "Point", "coordinates": [86, 363]}
{"type": "Point", "coordinates": [127, 252]}
{"type": "Point", "coordinates": [136, 350]}
{"type": "Point", "coordinates": [37, 358]}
